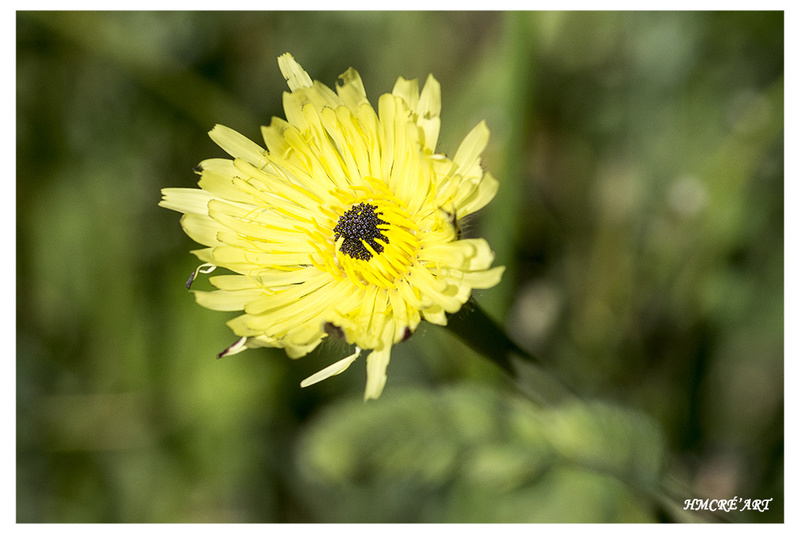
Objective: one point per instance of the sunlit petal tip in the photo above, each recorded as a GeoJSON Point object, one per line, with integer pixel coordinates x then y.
{"type": "Point", "coordinates": [185, 200]}
{"type": "Point", "coordinates": [296, 76]}
{"type": "Point", "coordinates": [468, 154]}
{"type": "Point", "coordinates": [351, 89]}
{"type": "Point", "coordinates": [430, 101]}
{"type": "Point", "coordinates": [235, 144]}
{"type": "Point", "coordinates": [408, 90]}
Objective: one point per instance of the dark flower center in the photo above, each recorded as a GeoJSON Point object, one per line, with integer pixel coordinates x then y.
{"type": "Point", "coordinates": [360, 223]}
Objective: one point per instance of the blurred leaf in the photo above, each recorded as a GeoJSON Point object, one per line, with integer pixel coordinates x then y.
{"type": "Point", "coordinates": [608, 439]}
{"type": "Point", "coordinates": [478, 455]}
{"type": "Point", "coordinates": [149, 59]}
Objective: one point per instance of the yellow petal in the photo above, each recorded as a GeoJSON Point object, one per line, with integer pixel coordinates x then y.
{"type": "Point", "coordinates": [206, 255]}
{"type": "Point", "coordinates": [484, 279]}
{"type": "Point", "coordinates": [331, 370]}
{"type": "Point", "coordinates": [227, 300]}
{"type": "Point", "coordinates": [302, 339]}
{"type": "Point", "coordinates": [465, 254]}
{"type": "Point", "coordinates": [274, 136]}
{"type": "Point", "coordinates": [428, 111]}
{"type": "Point", "coordinates": [240, 328]}
{"type": "Point", "coordinates": [237, 145]}
{"type": "Point", "coordinates": [351, 90]}
{"type": "Point", "coordinates": [377, 362]}
{"type": "Point", "coordinates": [232, 282]}
{"type": "Point", "coordinates": [435, 315]}
{"type": "Point", "coordinates": [202, 229]}
{"type": "Point", "coordinates": [296, 77]}
{"type": "Point", "coordinates": [298, 351]}
{"type": "Point", "coordinates": [480, 196]}
{"type": "Point", "coordinates": [408, 90]}
{"type": "Point", "coordinates": [270, 280]}
{"type": "Point", "coordinates": [217, 178]}
{"type": "Point", "coordinates": [468, 154]}
{"type": "Point", "coordinates": [186, 200]}
{"type": "Point", "coordinates": [481, 255]}
{"type": "Point", "coordinates": [436, 290]}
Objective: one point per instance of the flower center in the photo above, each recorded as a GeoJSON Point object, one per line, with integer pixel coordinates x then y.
{"type": "Point", "coordinates": [359, 226]}
{"type": "Point", "coordinates": [369, 238]}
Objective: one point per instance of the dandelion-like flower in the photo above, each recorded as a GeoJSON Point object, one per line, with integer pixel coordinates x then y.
{"type": "Point", "coordinates": [346, 224]}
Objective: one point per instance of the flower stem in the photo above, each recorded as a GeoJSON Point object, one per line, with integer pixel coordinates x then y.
{"type": "Point", "coordinates": [479, 332]}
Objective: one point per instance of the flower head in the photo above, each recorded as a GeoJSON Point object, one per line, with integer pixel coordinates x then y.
{"type": "Point", "coordinates": [347, 223]}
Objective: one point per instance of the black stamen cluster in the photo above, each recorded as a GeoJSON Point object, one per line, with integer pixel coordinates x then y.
{"type": "Point", "coordinates": [357, 223]}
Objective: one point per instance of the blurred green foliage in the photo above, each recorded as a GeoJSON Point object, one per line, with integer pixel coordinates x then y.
{"type": "Point", "coordinates": [477, 455]}
{"type": "Point", "coordinates": [640, 217]}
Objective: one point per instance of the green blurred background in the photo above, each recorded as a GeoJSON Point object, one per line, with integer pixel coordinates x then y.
{"type": "Point", "coordinates": [640, 217]}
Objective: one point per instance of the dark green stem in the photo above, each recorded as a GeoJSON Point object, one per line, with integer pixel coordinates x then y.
{"type": "Point", "coordinates": [480, 333]}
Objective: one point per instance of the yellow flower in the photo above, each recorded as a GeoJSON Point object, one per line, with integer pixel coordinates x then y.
{"type": "Point", "coordinates": [346, 224]}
